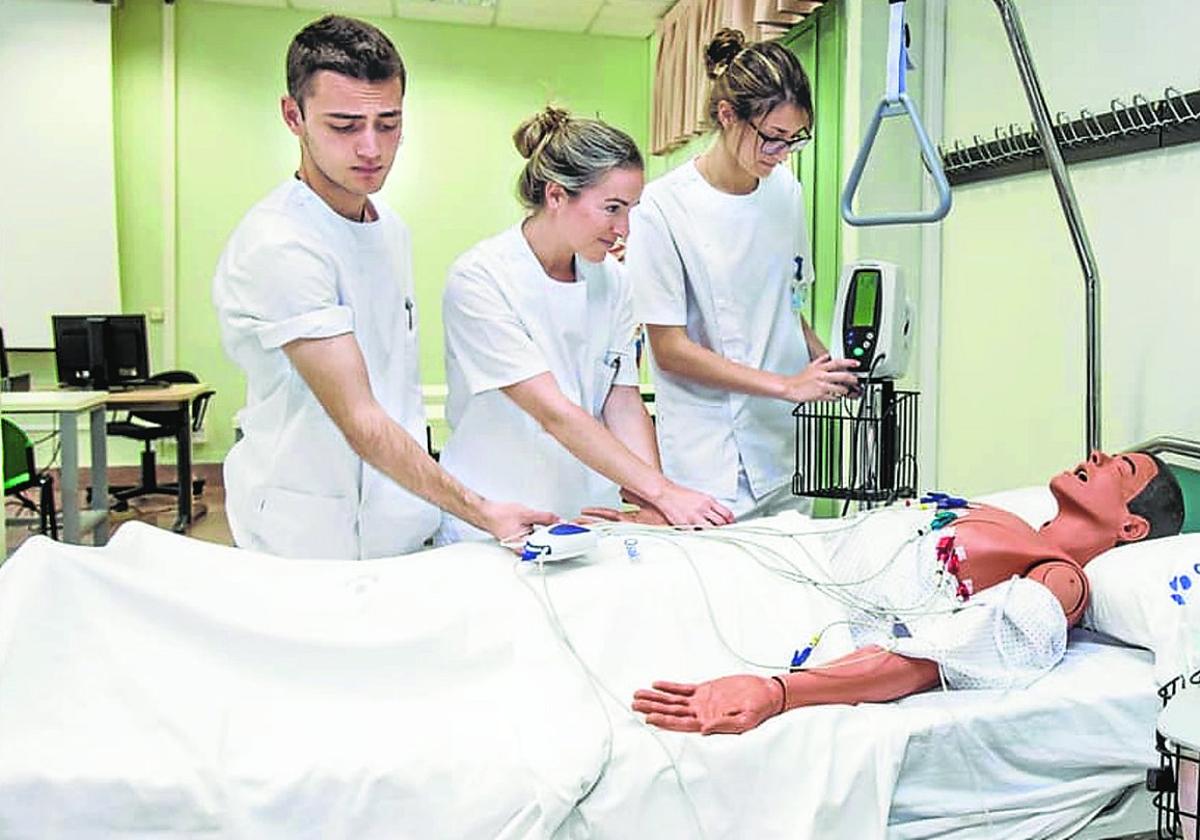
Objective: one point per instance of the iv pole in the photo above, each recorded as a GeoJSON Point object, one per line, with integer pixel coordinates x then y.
{"type": "Point", "coordinates": [896, 103]}
{"type": "Point", "coordinates": [1070, 207]}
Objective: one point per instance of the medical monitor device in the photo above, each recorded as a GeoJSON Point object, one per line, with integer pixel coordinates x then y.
{"type": "Point", "coordinates": [99, 352]}
{"type": "Point", "coordinates": [872, 320]}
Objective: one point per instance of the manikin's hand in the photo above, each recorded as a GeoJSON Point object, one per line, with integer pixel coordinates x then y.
{"type": "Point", "coordinates": [729, 704]}
{"type": "Point", "coordinates": [823, 380]}
{"type": "Point", "coordinates": [509, 521]}
{"type": "Point", "coordinates": [641, 516]}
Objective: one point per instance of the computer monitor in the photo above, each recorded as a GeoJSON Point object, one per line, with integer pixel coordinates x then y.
{"type": "Point", "coordinates": [99, 352]}
{"type": "Point", "coordinates": [3, 357]}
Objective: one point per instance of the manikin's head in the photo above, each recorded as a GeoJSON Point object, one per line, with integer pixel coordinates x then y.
{"type": "Point", "coordinates": [345, 97]}
{"type": "Point", "coordinates": [760, 103]}
{"type": "Point", "coordinates": [1109, 500]}
{"type": "Point", "coordinates": [582, 177]}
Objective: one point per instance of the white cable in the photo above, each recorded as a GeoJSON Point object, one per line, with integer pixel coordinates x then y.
{"type": "Point", "coordinates": [597, 686]}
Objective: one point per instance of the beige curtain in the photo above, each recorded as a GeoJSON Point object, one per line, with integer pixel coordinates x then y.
{"type": "Point", "coordinates": [680, 82]}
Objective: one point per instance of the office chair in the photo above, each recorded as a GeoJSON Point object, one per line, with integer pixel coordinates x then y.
{"type": "Point", "coordinates": [156, 425]}
{"type": "Point", "coordinates": [21, 474]}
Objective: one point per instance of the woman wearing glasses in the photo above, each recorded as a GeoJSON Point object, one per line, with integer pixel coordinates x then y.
{"type": "Point", "coordinates": [542, 387]}
{"type": "Point", "coordinates": [718, 258]}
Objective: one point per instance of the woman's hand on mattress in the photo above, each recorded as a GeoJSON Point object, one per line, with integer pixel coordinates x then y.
{"type": "Point", "coordinates": [729, 705]}
{"type": "Point", "coordinates": [676, 505]}
{"type": "Point", "coordinates": [823, 380]}
{"type": "Point", "coordinates": [681, 506]}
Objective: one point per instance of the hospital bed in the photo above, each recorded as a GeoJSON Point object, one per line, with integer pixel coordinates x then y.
{"type": "Point", "coordinates": [162, 687]}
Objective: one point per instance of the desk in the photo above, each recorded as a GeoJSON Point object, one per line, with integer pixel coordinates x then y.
{"type": "Point", "coordinates": [68, 405]}
{"type": "Point", "coordinates": [177, 398]}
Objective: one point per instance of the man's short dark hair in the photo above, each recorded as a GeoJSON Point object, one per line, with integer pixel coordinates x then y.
{"type": "Point", "coordinates": [1160, 503]}
{"type": "Point", "coordinates": [342, 45]}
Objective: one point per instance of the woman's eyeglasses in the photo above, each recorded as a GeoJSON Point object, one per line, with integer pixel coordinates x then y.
{"type": "Point", "coordinates": [778, 145]}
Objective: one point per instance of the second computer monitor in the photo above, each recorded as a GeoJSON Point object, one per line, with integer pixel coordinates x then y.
{"type": "Point", "coordinates": [100, 351]}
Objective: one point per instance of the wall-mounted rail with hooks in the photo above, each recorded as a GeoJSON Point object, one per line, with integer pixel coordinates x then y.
{"type": "Point", "coordinates": [1127, 127]}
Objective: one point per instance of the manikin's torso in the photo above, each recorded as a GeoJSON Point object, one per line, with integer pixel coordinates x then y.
{"type": "Point", "coordinates": [999, 544]}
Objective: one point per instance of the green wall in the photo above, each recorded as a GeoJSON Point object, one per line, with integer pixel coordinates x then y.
{"type": "Point", "coordinates": [453, 181]}
{"type": "Point", "coordinates": [1012, 340]}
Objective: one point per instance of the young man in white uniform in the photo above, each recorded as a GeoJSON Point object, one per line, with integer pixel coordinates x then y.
{"type": "Point", "coordinates": [718, 257]}
{"type": "Point", "coordinates": [543, 395]}
{"type": "Point", "coordinates": [315, 298]}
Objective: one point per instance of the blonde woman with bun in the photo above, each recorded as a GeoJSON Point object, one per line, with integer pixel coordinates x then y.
{"type": "Point", "coordinates": [717, 257]}
{"type": "Point", "coordinates": [543, 395]}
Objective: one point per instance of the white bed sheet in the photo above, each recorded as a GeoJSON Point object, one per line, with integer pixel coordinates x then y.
{"type": "Point", "coordinates": [1035, 763]}
{"type": "Point", "coordinates": [163, 687]}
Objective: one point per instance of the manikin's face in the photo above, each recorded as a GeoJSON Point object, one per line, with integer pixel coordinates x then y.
{"type": "Point", "coordinates": [592, 221]}
{"type": "Point", "coordinates": [349, 132]}
{"type": "Point", "coordinates": [783, 122]}
{"type": "Point", "coordinates": [1093, 503]}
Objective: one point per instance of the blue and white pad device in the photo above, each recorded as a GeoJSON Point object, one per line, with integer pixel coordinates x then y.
{"type": "Point", "coordinates": [558, 542]}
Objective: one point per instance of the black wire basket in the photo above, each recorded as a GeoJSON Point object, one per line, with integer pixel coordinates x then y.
{"type": "Point", "coordinates": [862, 449]}
{"type": "Point", "coordinates": [1174, 781]}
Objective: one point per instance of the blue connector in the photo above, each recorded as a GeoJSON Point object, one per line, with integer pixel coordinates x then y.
{"type": "Point", "coordinates": [943, 501]}
{"type": "Point", "coordinates": [800, 657]}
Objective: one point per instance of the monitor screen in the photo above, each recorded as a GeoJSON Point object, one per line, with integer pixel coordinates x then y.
{"type": "Point", "coordinates": [100, 351]}
{"type": "Point", "coordinates": [125, 352]}
{"type": "Point", "coordinates": [866, 293]}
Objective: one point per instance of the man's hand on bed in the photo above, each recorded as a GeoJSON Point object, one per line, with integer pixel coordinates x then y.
{"type": "Point", "coordinates": [727, 705]}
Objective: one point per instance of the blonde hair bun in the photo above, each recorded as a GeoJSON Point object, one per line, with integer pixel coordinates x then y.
{"type": "Point", "coordinates": [538, 129]}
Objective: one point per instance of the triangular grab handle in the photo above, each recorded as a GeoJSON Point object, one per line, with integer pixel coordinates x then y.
{"type": "Point", "coordinates": [933, 161]}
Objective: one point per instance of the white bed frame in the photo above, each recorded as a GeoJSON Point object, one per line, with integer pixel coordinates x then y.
{"type": "Point", "coordinates": [1131, 816]}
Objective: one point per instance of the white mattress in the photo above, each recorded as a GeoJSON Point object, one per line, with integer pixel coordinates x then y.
{"type": "Point", "coordinates": [167, 688]}
{"type": "Point", "coordinates": [1037, 763]}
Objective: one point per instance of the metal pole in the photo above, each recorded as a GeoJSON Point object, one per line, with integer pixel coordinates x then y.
{"type": "Point", "coordinates": [1066, 197]}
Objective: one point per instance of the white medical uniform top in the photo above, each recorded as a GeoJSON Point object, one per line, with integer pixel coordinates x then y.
{"type": "Point", "coordinates": [723, 266]}
{"type": "Point", "coordinates": [506, 321]}
{"type": "Point", "coordinates": [293, 269]}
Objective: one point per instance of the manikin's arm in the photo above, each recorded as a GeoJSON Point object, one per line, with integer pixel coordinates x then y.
{"type": "Point", "coordinates": [337, 374]}
{"type": "Point", "coordinates": [588, 440]}
{"type": "Point", "coordinates": [736, 704]}
{"type": "Point", "coordinates": [823, 379]}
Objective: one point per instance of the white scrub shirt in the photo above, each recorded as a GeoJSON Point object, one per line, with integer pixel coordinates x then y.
{"type": "Point", "coordinates": [506, 321]}
{"type": "Point", "coordinates": [294, 269]}
{"type": "Point", "coordinates": [724, 267]}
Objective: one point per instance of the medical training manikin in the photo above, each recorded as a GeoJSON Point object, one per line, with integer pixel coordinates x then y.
{"type": "Point", "coordinates": [987, 557]}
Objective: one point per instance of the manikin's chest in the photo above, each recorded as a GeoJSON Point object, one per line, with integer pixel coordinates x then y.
{"type": "Point", "coordinates": [994, 545]}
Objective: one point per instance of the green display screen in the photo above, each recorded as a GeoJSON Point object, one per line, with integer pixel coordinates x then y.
{"type": "Point", "coordinates": [866, 292]}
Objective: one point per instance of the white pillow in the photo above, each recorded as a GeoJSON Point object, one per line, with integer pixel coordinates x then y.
{"type": "Point", "coordinates": [1148, 594]}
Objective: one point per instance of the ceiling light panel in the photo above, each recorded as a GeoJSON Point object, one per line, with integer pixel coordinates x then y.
{"type": "Point", "coordinates": [626, 24]}
{"type": "Point", "coordinates": [559, 15]}
{"type": "Point", "coordinates": [376, 8]}
{"type": "Point", "coordinates": [443, 11]}
{"type": "Point", "coordinates": [270, 4]}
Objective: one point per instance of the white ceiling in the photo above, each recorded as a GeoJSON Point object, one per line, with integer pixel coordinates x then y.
{"type": "Point", "coordinates": [628, 18]}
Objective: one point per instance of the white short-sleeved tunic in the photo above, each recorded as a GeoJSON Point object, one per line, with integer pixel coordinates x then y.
{"type": "Point", "coordinates": [293, 268]}
{"type": "Point", "coordinates": [725, 267]}
{"type": "Point", "coordinates": [506, 321]}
